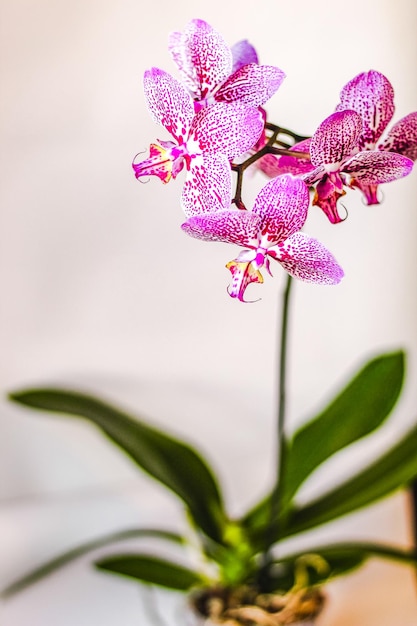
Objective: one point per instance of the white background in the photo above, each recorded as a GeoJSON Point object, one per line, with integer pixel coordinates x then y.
{"type": "Point", "coordinates": [101, 290]}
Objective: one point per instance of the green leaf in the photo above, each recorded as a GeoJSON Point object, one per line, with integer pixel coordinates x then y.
{"type": "Point", "coordinates": [63, 559]}
{"type": "Point", "coordinates": [357, 411]}
{"type": "Point", "coordinates": [168, 460]}
{"type": "Point", "coordinates": [340, 559]}
{"type": "Point", "coordinates": [394, 469]}
{"type": "Point", "coordinates": [391, 471]}
{"type": "Point", "coordinates": [151, 570]}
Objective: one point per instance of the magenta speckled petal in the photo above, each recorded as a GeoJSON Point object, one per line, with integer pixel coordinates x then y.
{"type": "Point", "coordinates": [282, 205]}
{"type": "Point", "coordinates": [402, 137]}
{"type": "Point", "coordinates": [228, 128]}
{"type": "Point", "coordinates": [202, 56]}
{"type": "Point", "coordinates": [375, 167]}
{"type": "Point", "coordinates": [312, 177]}
{"type": "Point", "coordinates": [168, 102]}
{"type": "Point", "coordinates": [208, 185]}
{"type": "Point", "coordinates": [243, 53]}
{"type": "Point", "coordinates": [231, 226]}
{"type": "Point", "coordinates": [251, 84]}
{"type": "Point", "coordinates": [307, 259]}
{"type": "Point", "coordinates": [336, 138]}
{"type": "Point", "coordinates": [371, 95]}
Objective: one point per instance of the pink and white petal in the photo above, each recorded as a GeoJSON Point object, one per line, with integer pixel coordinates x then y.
{"type": "Point", "coordinates": [336, 138]}
{"type": "Point", "coordinates": [243, 274]}
{"type": "Point", "coordinates": [251, 84]}
{"type": "Point", "coordinates": [209, 56]}
{"type": "Point", "coordinates": [177, 46]}
{"type": "Point", "coordinates": [402, 137]}
{"type": "Point", "coordinates": [230, 128]}
{"type": "Point", "coordinates": [371, 95]}
{"type": "Point", "coordinates": [282, 205]}
{"type": "Point", "coordinates": [274, 165]}
{"type": "Point", "coordinates": [243, 53]}
{"type": "Point", "coordinates": [315, 175]}
{"type": "Point", "coordinates": [168, 102]}
{"type": "Point", "coordinates": [232, 226]}
{"type": "Point", "coordinates": [375, 167]}
{"type": "Point", "coordinates": [208, 185]}
{"type": "Point", "coordinates": [307, 259]}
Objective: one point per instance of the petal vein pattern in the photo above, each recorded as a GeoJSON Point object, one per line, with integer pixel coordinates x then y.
{"type": "Point", "coordinates": [208, 185]}
{"type": "Point", "coordinates": [212, 71]}
{"type": "Point", "coordinates": [228, 128]}
{"type": "Point", "coordinates": [168, 102]}
{"type": "Point", "coordinates": [371, 95]}
{"type": "Point", "coordinates": [202, 56]}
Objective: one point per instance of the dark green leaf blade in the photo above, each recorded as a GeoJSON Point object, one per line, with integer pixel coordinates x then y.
{"type": "Point", "coordinates": [151, 570]}
{"type": "Point", "coordinates": [63, 559]}
{"type": "Point", "coordinates": [391, 471]}
{"type": "Point", "coordinates": [168, 460]}
{"type": "Point", "coordinates": [359, 409]}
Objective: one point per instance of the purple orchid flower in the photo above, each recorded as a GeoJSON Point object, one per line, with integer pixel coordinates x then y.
{"type": "Point", "coordinates": [213, 72]}
{"type": "Point", "coordinates": [334, 152]}
{"type": "Point", "coordinates": [269, 231]}
{"type": "Point", "coordinates": [371, 95]}
{"type": "Point", "coordinates": [204, 143]}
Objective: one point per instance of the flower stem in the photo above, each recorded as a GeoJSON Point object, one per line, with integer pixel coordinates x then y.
{"type": "Point", "coordinates": [273, 527]}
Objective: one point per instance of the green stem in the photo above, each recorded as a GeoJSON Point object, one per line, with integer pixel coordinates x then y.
{"type": "Point", "coordinates": [271, 533]}
{"type": "Point", "coordinates": [282, 385]}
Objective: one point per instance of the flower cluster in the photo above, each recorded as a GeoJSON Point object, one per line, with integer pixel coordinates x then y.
{"type": "Point", "coordinates": [215, 117]}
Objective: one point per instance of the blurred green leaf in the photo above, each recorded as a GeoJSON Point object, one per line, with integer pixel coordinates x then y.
{"type": "Point", "coordinates": [151, 570]}
{"type": "Point", "coordinates": [166, 459]}
{"type": "Point", "coordinates": [394, 469]}
{"type": "Point", "coordinates": [340, 559]}
{"type": "Point", "coordinates": [63, 559]}
{"type": "Point", "coordinates": [358, 410]}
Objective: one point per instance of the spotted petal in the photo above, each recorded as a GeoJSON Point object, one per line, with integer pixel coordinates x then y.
{"type": "Point", "coordinates": [375, 167]}
{"type": "Point", "coordinates": [371, 95]}
{"type": "Point", "coordinates": [243, 53]}
{"type": "Point", "coordinates": [273, 165]}
{"type": "Point", "coordinates": [168, 102]}
{"type": "Point", "coordinates": [230, 128]}
{"type": "Point", "coordinates": [202, 56]}
{"type": "Point", "coordinates": [336, 138]}
{"type": "Point", "coordinates": [251, 84]}
{"type": "Point", "coordinates": [402, 137]}
{"type": "Point", "coordinates": [282, 206]}
{"type": "Point", "coordinates": [307, 259]}
{"type": "Point", "coordinates": [233, 226]}
{"type": "Point", "coordinates": [208, 185]}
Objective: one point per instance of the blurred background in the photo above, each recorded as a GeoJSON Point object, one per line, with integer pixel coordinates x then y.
{"type": "Point", "coordinates": [102, 291]}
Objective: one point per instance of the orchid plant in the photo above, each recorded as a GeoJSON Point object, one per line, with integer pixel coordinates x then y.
{"type": "Point", "coordinates": [218, 127]}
